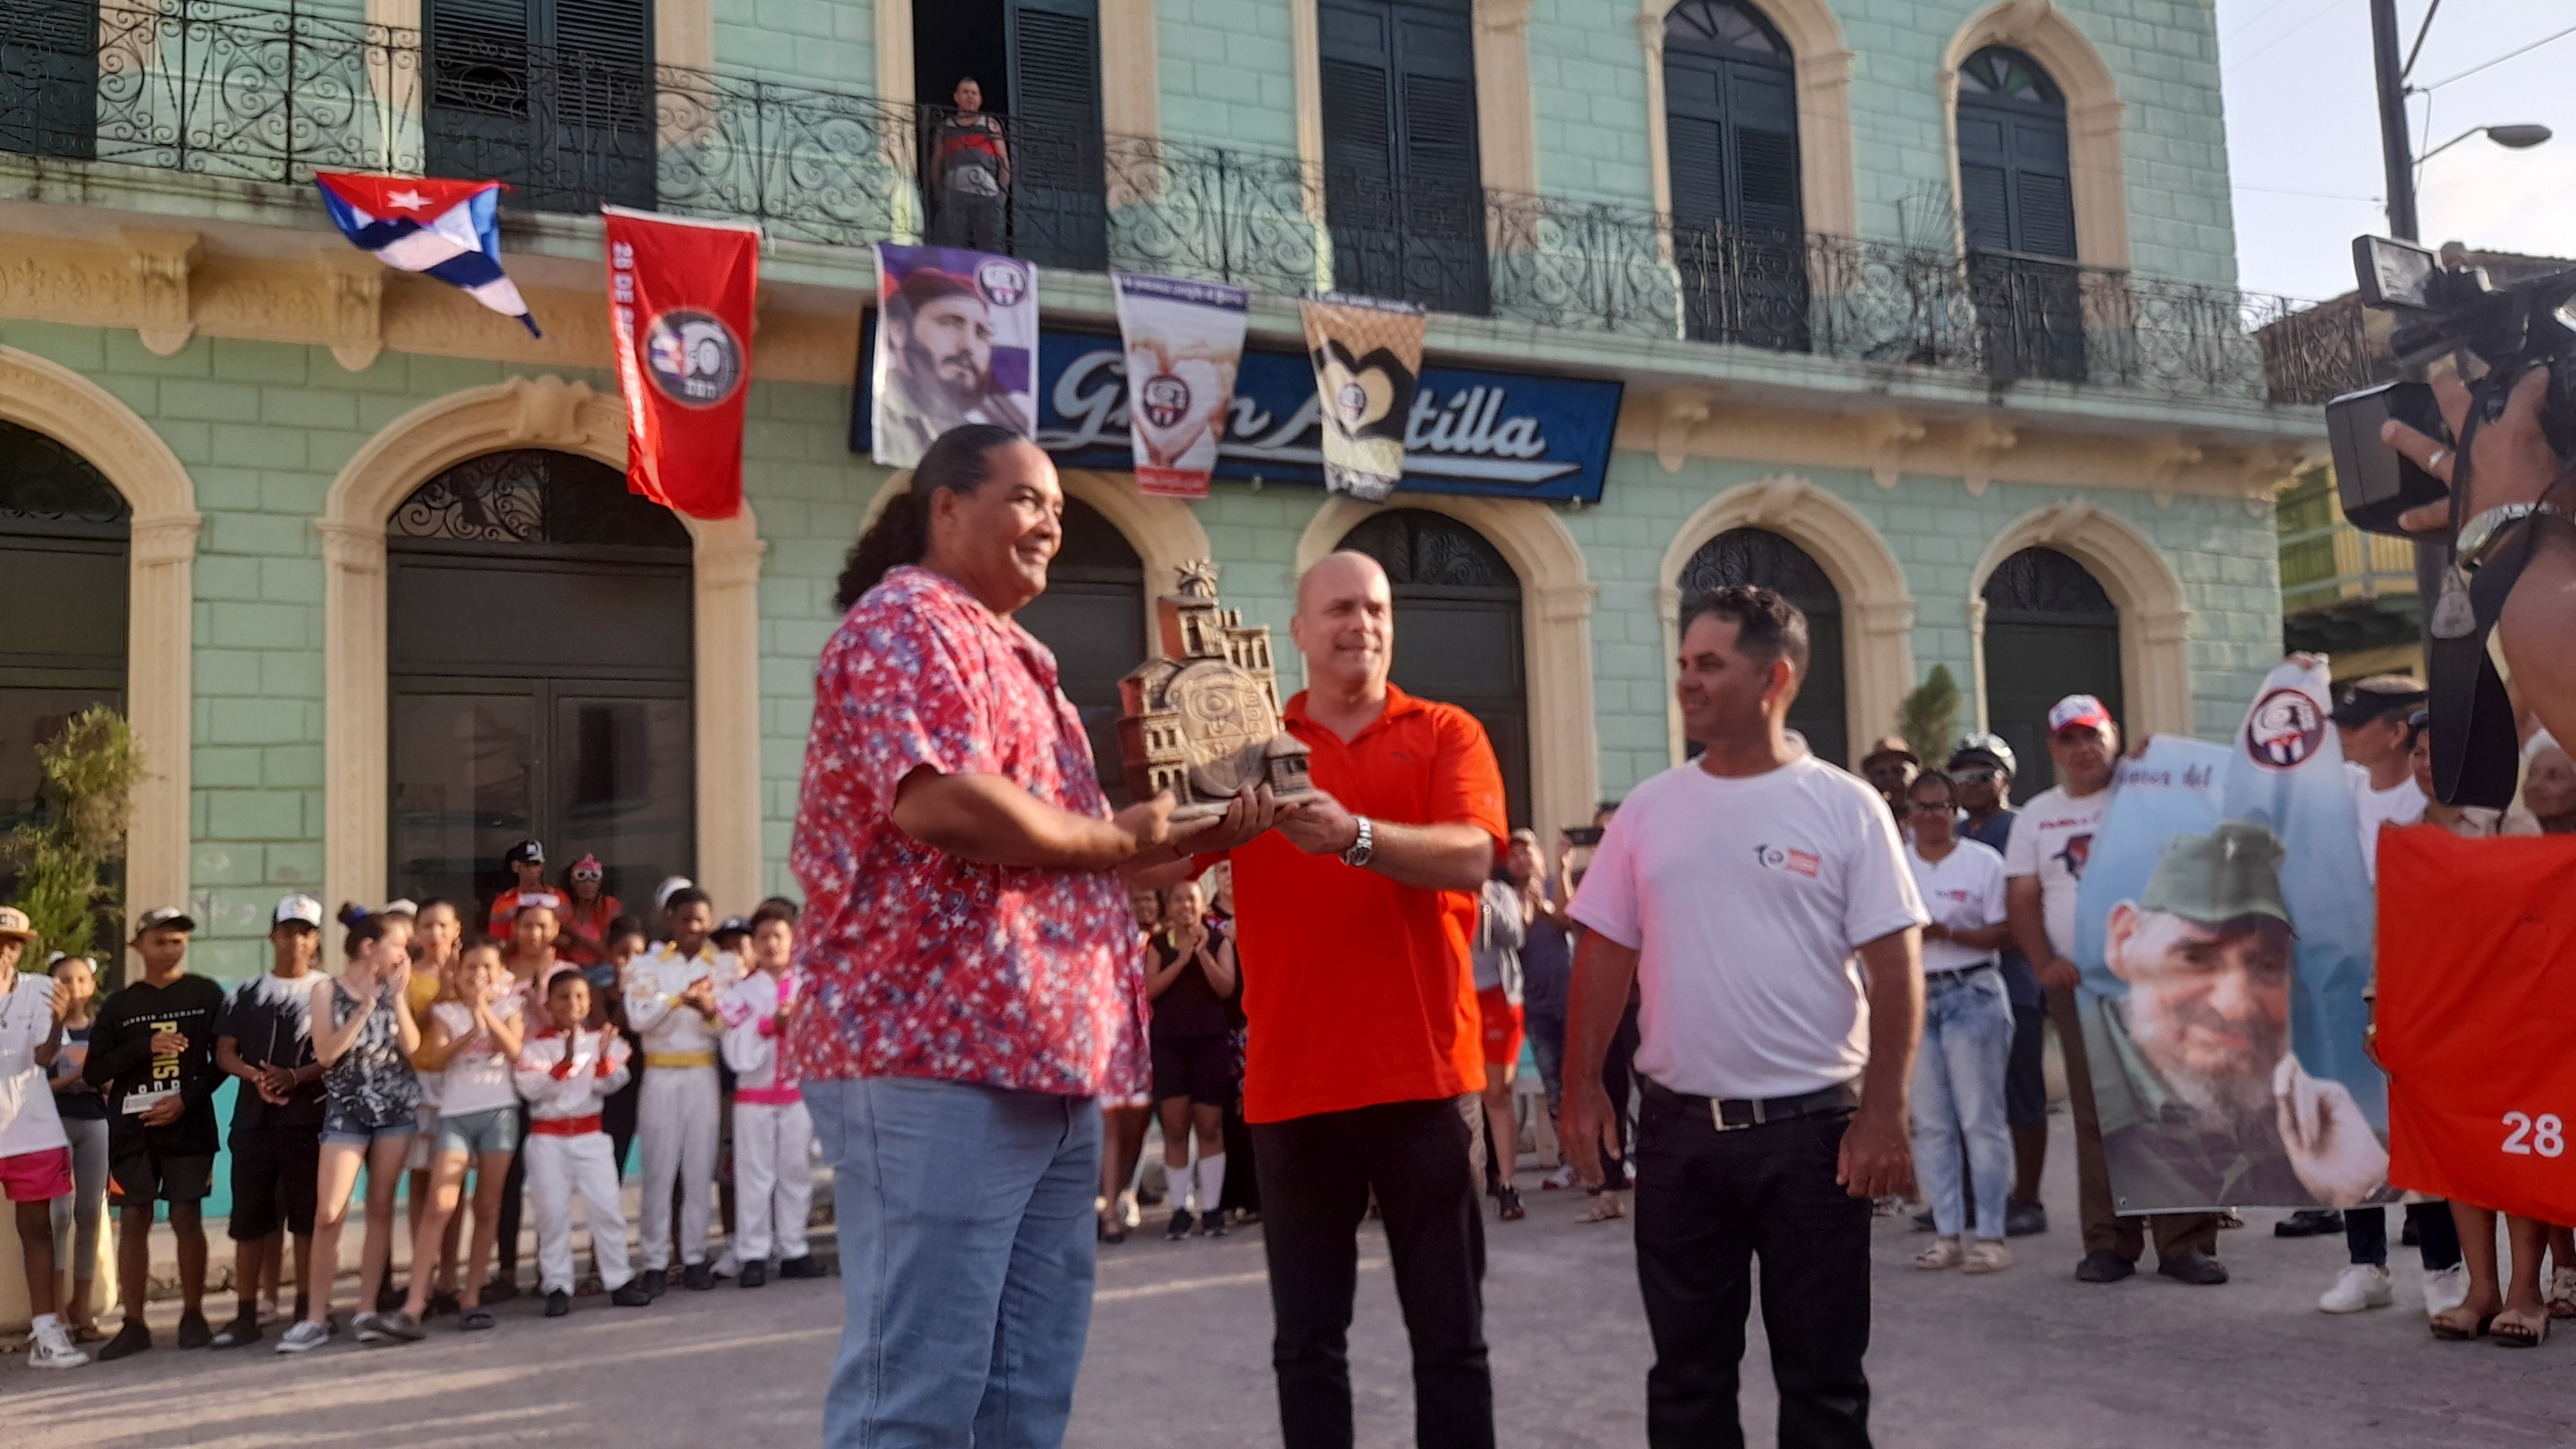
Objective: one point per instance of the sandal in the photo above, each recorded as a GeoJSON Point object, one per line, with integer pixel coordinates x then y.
{"type": "Point", "coordinates": [2511, 1331]}
{"type": "Point", "coordinates": [2453, 1325]}
{"type": "Point", "coordinates": [1944, 1253]}
{"type": "Point", "coordinates": [2562, 1293]}
{"type": "Point", "coordinates": [474, 1319]}
{"type": "Point", "coordinates": [1603, 1209]}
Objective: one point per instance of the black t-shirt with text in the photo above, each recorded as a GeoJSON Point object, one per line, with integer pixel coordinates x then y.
{"type": "Point", "coordinates": [270, 1019]}
{"type": "Point", "coordinates": [1189, 1007]}
{"type": "Point", "coordinates": [122, 1062]}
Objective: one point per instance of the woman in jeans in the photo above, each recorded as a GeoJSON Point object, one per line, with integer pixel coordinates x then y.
{"type": "Point", "coordinates": [84, 1114]}
{"type": "Point", "coordinates": [1967, 1033]}
{"type": "Point", "coordinates": [471, 1039]}
{"type": "Point", "coordinates": [364, 1035]}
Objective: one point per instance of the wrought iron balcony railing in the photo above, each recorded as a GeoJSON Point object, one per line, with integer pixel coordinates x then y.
{"type": "Point", "coordinates": [226, 89]}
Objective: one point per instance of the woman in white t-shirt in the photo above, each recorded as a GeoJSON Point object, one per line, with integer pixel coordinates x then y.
{"type": "Point", "coordinates": [471, 1038]}
{"type": "Point", "coordinates": [1967, 1032]}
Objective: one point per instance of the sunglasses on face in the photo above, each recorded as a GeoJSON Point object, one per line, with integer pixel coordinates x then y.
{"type": "Point", "coordinates": [1975, 777]}
{"type": "Point", "coordinates": [586, 875]}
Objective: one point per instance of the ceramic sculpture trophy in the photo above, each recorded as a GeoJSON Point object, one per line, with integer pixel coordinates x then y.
{"type": "Point", "coordinates": [1203, 720]}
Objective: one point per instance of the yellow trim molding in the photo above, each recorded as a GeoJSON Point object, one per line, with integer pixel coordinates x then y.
{"type": "Point", "coordinates": [1556, 622]}
{"type": "Point", "coordinates": [1878, 606]}
{"type": "Point", "coordinates": [2038, 29]}
{"type": "Point", "coordinates": [524, 412]}
{"type": "Point", "coordinates": [2155, 666]}
{"type": "Point", "coordinates": [1828, 188]}
{"type": "Point", "coordinates": [160, 580]}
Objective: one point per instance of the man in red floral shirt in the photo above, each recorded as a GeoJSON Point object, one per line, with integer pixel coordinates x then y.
{"type": "Point", "coordinates": [973, 978]}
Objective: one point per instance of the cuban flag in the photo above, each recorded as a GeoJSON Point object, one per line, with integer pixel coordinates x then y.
{"type": "Point", "coordinates": [424, 224]}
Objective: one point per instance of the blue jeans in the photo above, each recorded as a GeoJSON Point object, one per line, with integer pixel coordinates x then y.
{"type": "Point", "coordinates": [1959, 1092]}
{"type": "Point", "coordinates": [966, 1241]}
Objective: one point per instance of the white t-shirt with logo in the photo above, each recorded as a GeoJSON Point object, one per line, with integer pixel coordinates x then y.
{"type": "Point", "coordinates": [1746, 899]}
{"type": "Point", "coordinates": [477, 1077]}
{"type": "Point", "coordinates": [1964, 890]}
{"type": "Point", "coordinates": [2051, 839]}
{"type": "Point", "coordinates": [2401, 804]}
{"type": "Point", "coordinates": [28, 1122]}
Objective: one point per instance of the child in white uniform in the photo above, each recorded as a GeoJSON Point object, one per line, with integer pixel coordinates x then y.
{"type": "Point", "coordinates": [773, 1177]}
{"type": "Point", "coordinates": [564, 1073]}
{"type": "Point", "coordinates": [671, 1004]}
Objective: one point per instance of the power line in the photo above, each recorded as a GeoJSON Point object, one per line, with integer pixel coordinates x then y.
{"type": "Point", "coordinates": [2257, 18]}
{"type": "Point", "coordinates": [2284, 35]}
{"type": "Point", "coordinates": [2417, 48]}
{"type": "Point", "coordinates": [2499, 60]}
{"type": "Point", "coordinates": [2313, 195]}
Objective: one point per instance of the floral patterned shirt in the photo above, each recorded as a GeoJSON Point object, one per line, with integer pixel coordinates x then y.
{"type": "Point", "coordinates": [916, 963]}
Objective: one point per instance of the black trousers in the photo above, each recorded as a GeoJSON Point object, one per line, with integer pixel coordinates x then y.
{"type": "Point", "coordinates": [1316, 1176]}
{"type": "Point", "coordinates": [1708, 1204]}
{"type": "Point", "coordinates": [514, 1185]}
{"type": "Point", "coordinates": [1617, 1069]}
{"type": "Point", "coordinates": [2437, 1237]}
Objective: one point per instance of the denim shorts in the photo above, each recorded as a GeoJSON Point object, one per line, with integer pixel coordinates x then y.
{"type": "Point", "coordinates": [493, 1130]}
{"type": "Point", "coordinates": [352, 1129]}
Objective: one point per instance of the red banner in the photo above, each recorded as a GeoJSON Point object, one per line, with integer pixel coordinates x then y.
{"type": "Point", "coordinates": [679, 310]}
{"type": "Point", "coordinates": [2477, 1015]}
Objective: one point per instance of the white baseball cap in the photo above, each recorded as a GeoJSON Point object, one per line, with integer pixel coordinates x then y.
{"type": "Point", "coordinates": [296, 909]}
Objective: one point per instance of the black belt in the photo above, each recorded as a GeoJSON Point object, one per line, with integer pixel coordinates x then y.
{"type": "Point", "coordinates": [1733, 1114]}
{"type": "Point", "coordinates": [1960, 974]}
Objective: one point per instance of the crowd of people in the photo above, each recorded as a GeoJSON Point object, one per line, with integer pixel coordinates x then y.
{"type": "Point", "coordinates": [527, 1057]}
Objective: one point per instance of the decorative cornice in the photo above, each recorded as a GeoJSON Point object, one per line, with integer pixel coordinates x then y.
{"type": "Point", "coordinates": [352, 546]}
{"type": "Point", "coordinates": [1559, 602]}
{"type": "Point", "coordinates": [1884, 438]}
{"type": "Point", "coordinates": [166, 538]}
{"type": "Point", "coordinates": [162, 262]}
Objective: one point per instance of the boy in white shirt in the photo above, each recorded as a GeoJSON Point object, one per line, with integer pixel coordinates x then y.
{"type": "Point", "coordinates": [671, 1005]}
{"type": "Point", "coordinates": [773, 1176]}
{"type": "Point", "coordinates": [1967, 1031]}
{"type": "Point", "coordinates": [35, 1155]}
{"type": "Point", "coordinates": [564, 1072]}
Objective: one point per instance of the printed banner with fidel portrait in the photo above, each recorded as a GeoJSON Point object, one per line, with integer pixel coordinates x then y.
{"type": "Point", "coordinates": [956, 342]}
{"type": "Point", "coordinates": [1184, 344]}
{"type": "Point", "coordinates": [1368, 360]}
{"type": "Point", "coordinates": [2224, 931]}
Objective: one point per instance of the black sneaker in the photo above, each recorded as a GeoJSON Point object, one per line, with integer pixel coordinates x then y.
{"type": "Point", "coordinates": [1923, 1222]}
{"type": "Point", "coordinates": [194, 1331]}
{"type": "Point", "coordinates": [1180, 1227]}
{"type": "Point", "coordinates": [2309, 1223]}
{"type": "Point", "coordinates": [2023, 1219]}
{"type": "Point", "coordinates": [755, 1275]}
{"type": "Point", "coordinates": [389, 1297]}
{"type": "Point", "coordinates": [241, 1331]}
{"type": "Point", "coordinates": [1212, 1225]}
{"type": "Point", "coordinates": [558, 1303]}
{"type": "Point", "coordinates": [501, 1289]}
{"type": "Point", "coordinates": [803, 1266]}
{"type": "Point", "coordinates": [656, 1283]}
{"type": "Point", "coordinates": [698, 1278]}
{"type": "Point", "coordinates": [441, 1304]}
{"type": "Point", "coordinates": [2103, 1266]}
{"type": "Point", "coordinates": [2194, 1267]}
{"type": "Point", "coordinates": [131, 1339]}
{"type": "Point", "coordinates": [631, 1294]}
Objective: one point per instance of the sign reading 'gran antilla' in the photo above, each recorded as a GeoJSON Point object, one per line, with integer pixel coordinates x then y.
{"type": "Point", "coordinates": [1501, 434]}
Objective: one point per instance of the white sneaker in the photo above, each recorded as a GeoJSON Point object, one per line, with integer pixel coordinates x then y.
{"type": "Point", "coordinates": [2360, 1286]}
{"type": "Point", "coordinates": [52, 1347]}
{"type": "Point", "coordinates": [303, 1336]}
{"type": "Point", "coordinates": [1560, 1179]}
{"type": "Point", "coordinates": [2446, 1290]}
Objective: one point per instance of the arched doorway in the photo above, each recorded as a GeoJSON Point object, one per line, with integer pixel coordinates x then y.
{"type": "Point", "coordinates": [1731, 136]}
{"type": "Point", "coordinates": [1457, 629]}
{"type": "Point", "coordinates": [541, 660]}
{"type": "Point", "coordinates": [64, 534]}
{"type": "Point", "coordinates": [1759, 556]}
{"type": "Point", "coordinates": [2050, 631]}
{"type": "Point", "coordinates": [2017, 212]}
{"type": "Point", "coordinates": [1093, 616]}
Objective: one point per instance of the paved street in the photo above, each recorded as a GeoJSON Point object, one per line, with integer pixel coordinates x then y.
{"type": "Point", "coordinates": [1179, 1347]}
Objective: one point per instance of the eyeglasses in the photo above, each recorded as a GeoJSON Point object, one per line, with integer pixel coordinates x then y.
{"type": "Point", "coordinates": [1933, 807]}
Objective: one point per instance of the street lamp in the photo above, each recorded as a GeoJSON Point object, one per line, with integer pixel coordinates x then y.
{"type": "Point", "coordinates": [2512, 138]}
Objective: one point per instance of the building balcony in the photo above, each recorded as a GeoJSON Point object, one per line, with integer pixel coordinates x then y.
{"type": "Point", "coordinates": [222, 91]}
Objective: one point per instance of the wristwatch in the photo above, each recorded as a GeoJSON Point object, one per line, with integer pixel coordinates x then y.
{"type": "Point", "coordinates": [1364, 849]}
{"type": "Point", "coordinates": [2480, 535]}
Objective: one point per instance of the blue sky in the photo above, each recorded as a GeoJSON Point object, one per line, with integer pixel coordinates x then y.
{"type": "Point", "coordinates": [2303, 132]}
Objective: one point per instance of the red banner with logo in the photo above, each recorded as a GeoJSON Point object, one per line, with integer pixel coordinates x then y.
{"type": "Point", "coordinates": [679, 312]}
{"type": "Point", "coordinates": [2477, 1010]}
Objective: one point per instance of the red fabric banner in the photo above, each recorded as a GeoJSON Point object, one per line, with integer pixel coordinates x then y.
{"type": "Point", "coordinates": [2477, 1017]}
{"type": "Point", "coordinates": [679, 312]}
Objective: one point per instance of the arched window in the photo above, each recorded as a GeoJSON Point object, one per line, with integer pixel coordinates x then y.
{"type": "Point", "coordinates": [1092, 616]}
{"type": "Point", "coordinates": [1457, 628]}
{"type": "Point", "coordinates": [2017, 212]}
{"type": "Point", "coordinates": [1759, 556]}
{"type": "Point", "coordinates": [2050, 632]}
{"type": "Point", "coordinates": [64, 531]}
{"type": "Point", "coordinates": [1731, 133]}
{"type": "Point", "coordinates": [540, 625]}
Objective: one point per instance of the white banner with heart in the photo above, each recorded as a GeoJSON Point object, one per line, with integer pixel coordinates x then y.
{"type": "Point", "coordinates": [1184, 342]}
{"type": "Point", "coordinates": [1368, 360]}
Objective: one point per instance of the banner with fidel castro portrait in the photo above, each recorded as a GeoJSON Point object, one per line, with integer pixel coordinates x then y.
{"type": "Point", "coordinates": [2224, 930]}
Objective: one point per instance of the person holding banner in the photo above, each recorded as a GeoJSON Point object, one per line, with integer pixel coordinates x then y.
{"type": "Point", "coordinates": [2044, 863]}
{"type": "Point", "coordinates": [972, 974]}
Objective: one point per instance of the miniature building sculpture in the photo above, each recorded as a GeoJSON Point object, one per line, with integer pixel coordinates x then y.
{"type": "Point", "coordinates": [1203, 720]}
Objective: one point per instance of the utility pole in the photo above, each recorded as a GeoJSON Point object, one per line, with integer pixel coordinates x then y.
{"type": "Point", "coordinates": [2396, 153]}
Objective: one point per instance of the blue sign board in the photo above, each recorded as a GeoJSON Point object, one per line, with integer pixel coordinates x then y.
{"type": "Point", "coordinates": [1499, 434]}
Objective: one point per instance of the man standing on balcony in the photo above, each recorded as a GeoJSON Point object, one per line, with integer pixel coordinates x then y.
{"type": "Point", "coordinates": [970, 173]}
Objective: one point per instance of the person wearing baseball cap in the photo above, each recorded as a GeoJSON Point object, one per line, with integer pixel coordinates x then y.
{"type": "Point", "coordinates": [1889, 767]}
{"type": "Point", "coordinates": [265, 1038]}
{"type": "Point", "coordinates": [152, 1052]}
{"type": "Point", "coordinates": [1981, 769]}
{"type": "Point", "coordinates": [2378, 750]}
{"type": "Point", "coordinates": [526, 862]}
{"type": "Point", "coordinates": [35, 1153]}
{"type": "Point", "coordinates": [2044, 862]}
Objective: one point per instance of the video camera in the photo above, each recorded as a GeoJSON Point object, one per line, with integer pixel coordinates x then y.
{"type": "Point", "coordinates": [2444, 309]}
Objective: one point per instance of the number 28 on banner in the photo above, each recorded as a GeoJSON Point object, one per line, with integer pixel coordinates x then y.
{"type": "Point", "coordinates": [2534, 1136]}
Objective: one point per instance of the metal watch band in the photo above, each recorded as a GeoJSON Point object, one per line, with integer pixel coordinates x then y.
{"type": "Point", "coordinates": [2479, 537]}
{"type": "Point", "coordinates": [1364, 849]}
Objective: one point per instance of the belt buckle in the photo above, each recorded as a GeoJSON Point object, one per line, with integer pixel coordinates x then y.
{"type": "Point", "coordinates": [1717, 1115]}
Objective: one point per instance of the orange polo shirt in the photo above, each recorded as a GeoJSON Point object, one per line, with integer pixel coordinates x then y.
{"type": "Point", "coordinates": [1358, 990]}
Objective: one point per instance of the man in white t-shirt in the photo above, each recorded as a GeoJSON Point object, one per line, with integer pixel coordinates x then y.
{"type": "Point", "coordinates": [1761, 901]}
{"type": "Point", "coordinates": [2051, 841]}
{"type": "Point", "coordinates": [1967, 1032]}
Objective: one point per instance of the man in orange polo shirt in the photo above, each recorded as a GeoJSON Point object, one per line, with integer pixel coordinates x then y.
{"type": "Point", "coordinates": [1366, 1051]}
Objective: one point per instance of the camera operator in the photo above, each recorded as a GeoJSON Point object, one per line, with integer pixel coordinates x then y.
{"type": "Point", "coordinates": [2513, 463]}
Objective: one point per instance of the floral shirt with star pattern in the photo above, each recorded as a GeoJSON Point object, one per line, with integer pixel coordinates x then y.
{"type": "Point", "coordinates": [916, 963]}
